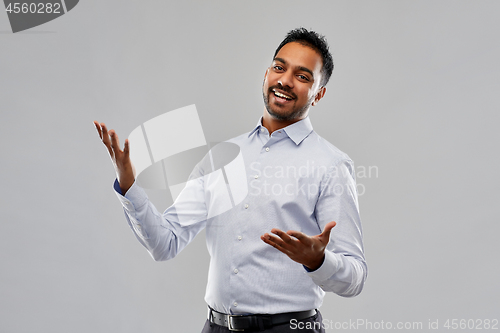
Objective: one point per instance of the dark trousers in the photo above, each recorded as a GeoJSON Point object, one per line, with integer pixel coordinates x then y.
{"type": "Point", "coordinates": [308, 325]}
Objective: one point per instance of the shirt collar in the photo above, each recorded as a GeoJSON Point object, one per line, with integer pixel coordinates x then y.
{"type": "Point", "coordinates": [297, 131]}
{"type": "Point", "coordinates": [256, 128]}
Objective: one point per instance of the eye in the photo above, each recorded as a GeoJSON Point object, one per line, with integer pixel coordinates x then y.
{"type": "Point", "coordinates": [278, 68]}
{"type": "Point", "coordinates": [303, 77]}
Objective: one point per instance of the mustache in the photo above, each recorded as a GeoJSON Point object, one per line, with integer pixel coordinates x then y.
{"type": "Point", "coordinates": [286, 90]}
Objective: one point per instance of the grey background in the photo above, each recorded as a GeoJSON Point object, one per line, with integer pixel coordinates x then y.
{"type": "Point", "coordinates": [414, 93]}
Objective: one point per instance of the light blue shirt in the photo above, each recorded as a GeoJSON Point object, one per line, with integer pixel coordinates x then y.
{"type": "Point", "coordinates": [296, 181]}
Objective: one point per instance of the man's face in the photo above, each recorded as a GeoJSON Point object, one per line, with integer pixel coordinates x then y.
{"type": "Point", "coordinates": [291, 84]}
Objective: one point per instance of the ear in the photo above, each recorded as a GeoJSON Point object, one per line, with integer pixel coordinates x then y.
{"type": "Point", "coordinates": [319, 95]}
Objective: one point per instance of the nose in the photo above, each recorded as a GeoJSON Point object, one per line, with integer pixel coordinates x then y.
{"type": "Point", "coordinates": [286, 79]}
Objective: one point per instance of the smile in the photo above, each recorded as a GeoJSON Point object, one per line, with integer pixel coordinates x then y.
{"type": "Point", "coordinates": [281, 95]}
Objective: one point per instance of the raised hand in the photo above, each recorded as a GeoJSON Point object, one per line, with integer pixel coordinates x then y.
{"type": "Point", "coordinates": [125, 172]}
{"type": "Point", "coordinates": [306, 250]}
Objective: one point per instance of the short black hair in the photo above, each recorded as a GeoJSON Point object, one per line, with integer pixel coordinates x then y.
{"type": "Point", "coordinates": [315, 41]}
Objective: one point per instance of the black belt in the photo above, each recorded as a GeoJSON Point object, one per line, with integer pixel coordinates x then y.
{"type": "Point", "coordinates": [243, 323]}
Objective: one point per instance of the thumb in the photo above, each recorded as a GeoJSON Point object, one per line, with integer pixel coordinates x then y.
{"type": "Point", "coordinates": [328, 228]}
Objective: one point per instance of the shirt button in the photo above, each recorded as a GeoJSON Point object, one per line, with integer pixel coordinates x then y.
{"type": "Point", "coordinates": [246, 206]}
{"type": "Point", "coordinates": [235, 271]}
{"type": "Point", "coordinates": [240, 238]}
{"type": "Point", "coordinates": [267, 148]}
{"type": "Point", "coordinates": [235, 303]}
{"type": "Point", "coordinates": [256, 176]}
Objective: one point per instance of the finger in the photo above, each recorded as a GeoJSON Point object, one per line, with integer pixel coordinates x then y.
{"type": "Point", "coordinates": [126, 149]}
{"type": "Point", "coordinates": [283, 235]}
{"type": "Point", "coordinates": [328, 228]}
{"type": "Point", "coordinates": [273, 239]}
{"type": "Point", "coordinates": [105, 138]}
{"type": "Point", "coordinates": [303, 238]}
{"type": "Point", "coordinates": [115, 144]}
{"type": "Point", "coordinates": [275, 242]}
{"type": "Point", "coordinates": [105, 134]}
{"type": "Point", "coordinates": [98, 128]}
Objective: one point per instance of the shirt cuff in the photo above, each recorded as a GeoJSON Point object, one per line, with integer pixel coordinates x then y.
{"type": "Point", "coordinates": [312, 270]}
{"type": "Point", "coordinates": [331, 264]}
{"type": "Point", "coordinates": [134, 198]}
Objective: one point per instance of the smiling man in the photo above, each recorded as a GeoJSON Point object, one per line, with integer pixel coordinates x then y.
{"type": "Point", "coordinates": [274, 255]}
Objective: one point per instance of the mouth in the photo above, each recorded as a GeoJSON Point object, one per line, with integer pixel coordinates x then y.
{"type": "Point", "coordinates": [281, 96]}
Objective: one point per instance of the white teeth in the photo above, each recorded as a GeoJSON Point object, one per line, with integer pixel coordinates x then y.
{"type": "Point", "coordinates": [281, 95]}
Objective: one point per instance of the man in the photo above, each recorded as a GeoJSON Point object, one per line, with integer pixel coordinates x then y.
{"type": "Point", "coordinates": [261, 277]}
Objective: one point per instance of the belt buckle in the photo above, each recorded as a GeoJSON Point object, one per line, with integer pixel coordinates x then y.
{"type": "Point", "coordinates": [230, 324]}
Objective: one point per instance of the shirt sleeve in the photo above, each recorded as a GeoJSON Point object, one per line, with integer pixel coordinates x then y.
{"type": "Point", "coordinates": [165, 235]}
{"type": "Point", "coordinates": [344, 268]}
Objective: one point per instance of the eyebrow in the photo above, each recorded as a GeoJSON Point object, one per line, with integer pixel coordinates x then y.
{"type": "Point", "coordinates": [302, 68]}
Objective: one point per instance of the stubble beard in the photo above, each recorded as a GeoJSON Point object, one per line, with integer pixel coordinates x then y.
{"type": "Point", "coordinates": [296, 113]}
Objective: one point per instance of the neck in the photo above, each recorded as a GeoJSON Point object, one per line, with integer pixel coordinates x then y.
{"type": "Point", "coordinates": [272, 124]}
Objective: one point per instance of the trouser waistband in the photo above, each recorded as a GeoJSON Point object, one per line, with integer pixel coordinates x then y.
{"type": "Point", "coordinates": [242, 323]}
